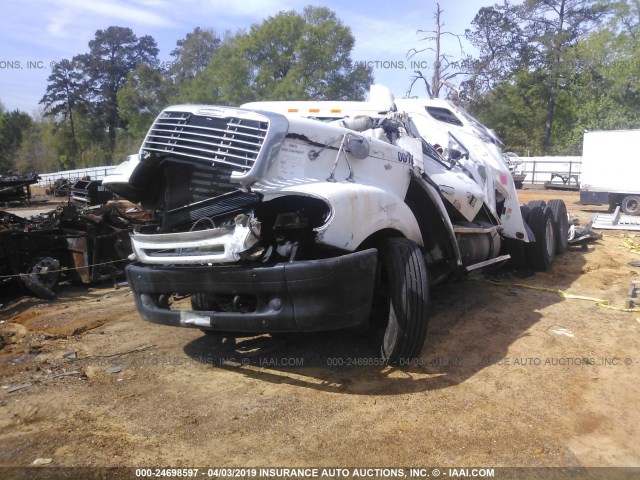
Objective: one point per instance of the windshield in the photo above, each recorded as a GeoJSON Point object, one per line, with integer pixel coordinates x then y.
{"type": "Point", "coordinates": [482, 129]}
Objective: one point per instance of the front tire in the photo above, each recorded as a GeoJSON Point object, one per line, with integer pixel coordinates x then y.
{"type": "Point", "coordinates": [400, 307]}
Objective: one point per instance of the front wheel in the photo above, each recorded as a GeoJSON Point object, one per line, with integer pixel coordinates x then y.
{"type": "Point", "coordinates": [400, 307]}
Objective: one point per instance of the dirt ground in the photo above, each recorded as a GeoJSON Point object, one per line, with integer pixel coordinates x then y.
{"type": "Point", "coordinates": [508, 376]}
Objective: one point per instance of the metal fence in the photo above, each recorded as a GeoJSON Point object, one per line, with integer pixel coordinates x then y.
{"type": "Point", "coordinates": [555, 170]}
{"type": "Point", "coordinates": [539, 170]}
{"type": "Point", "coordinates": [95, 173]}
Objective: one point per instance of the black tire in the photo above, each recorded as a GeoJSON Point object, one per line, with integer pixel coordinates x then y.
{"type": "Point", "coordinates": [41, 284]}
{"type": "Point", "coordinates": [400, 307]}
{"type": "Point", "coordinates": [542, 251]}
{"type": "Point", "coordinates": [518, 251]}
{"type": "Point", "coordinates": [630, 205]}
{"type": "Point", "coordinates": [525, 211]}
{"type": "Point", "coordinates": [561, 224]}
{"type": "Point", "coordinates": [536, 203]}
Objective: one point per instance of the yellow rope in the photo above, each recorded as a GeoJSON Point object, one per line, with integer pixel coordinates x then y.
{"type": "Point", "coordinates": [631, 245]}
{"type": "Point", "coordinates": [598, 301]}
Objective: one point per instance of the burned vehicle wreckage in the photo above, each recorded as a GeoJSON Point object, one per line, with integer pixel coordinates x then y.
{"type": "Point", "coordinates": [17, 188]}
{"type": "Point", "coordinates": [274, 223]}
{"type": "Point", "coordinates": [85, 246]}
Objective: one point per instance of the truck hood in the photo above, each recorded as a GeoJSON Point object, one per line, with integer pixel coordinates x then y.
{"type": "Point", "coordinates": [239, 143]}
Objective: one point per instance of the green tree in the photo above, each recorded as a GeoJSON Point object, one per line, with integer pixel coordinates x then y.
{"type": "Point", "coordinates": [38, 152]}
{"type": "Point", "coordinates": [193, 53]}
{"type": "Point", "coordinates": [308, 56]}
{"type": "Point", "coordinates": [145, 93]}
{"type": "Point", "coordinates": [13, 129]}
{"type": "Point", "coordinates": [515, 110]}
{"type": "Point", "coordinates": [113, 54]}
{"type": "Point", "coordinates": [325, 66]}
{"type": "Point", "coordinates": [226, 80]}
{"type": "Point", "coordinates": [289, 56]}
{"type": "Point", "coordinates": [606, 65]}
{"type": "Point", "coordinates": [502, 49]}
{"type": "Point", "coordinates": [553, 27]}
{"type": "Point", "coordinates": [64, 96]}
{"type": "Point", "coordinates": [535, 39]}
{"type": "Point", "coordinates": [270, 48]}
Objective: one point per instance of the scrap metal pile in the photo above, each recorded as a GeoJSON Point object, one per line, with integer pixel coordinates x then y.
{"type": "Point", "coordinates": [82, 191]}
{"type": "Point", "coordinates": [17, 188]}
{"type": "Point", "coordinates": [80, 245]}
{"type": "Point", "coordinates": [60, 188]}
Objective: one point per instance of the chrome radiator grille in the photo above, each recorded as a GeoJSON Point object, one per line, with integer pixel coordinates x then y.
{"type": "Point", "coordinates": [230, 141]}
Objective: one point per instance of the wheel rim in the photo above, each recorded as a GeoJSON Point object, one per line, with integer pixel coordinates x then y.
{"type": "Point", "coordinates": [549, 240]}
{"type": "Point", "coordinates": [632, 205]}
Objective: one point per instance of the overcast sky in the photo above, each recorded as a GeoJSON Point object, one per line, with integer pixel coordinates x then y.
{"type": "Point", "coordinates": [36, 33]}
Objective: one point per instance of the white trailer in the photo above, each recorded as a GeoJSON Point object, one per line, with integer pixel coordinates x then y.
{"type": "Point", "coordinates": [610, 172]}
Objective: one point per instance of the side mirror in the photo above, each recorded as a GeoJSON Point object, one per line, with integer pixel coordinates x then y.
{"type": "Point", "coordinates": [357, 146]}
{"type": "Point", "coordinates": [454, 154]}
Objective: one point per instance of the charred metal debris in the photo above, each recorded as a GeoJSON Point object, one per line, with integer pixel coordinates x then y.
{"type": "Point", "coordinates": [83, 246]}
{"type": "Point", "coordinates": [60, 188]}
{"type": "Point", "coordinates": [17, 188]}
{"type": "Point", "coordinates": [82, 192]}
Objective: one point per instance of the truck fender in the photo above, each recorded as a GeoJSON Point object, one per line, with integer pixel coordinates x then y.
{"type": "Point", "coordinates": [357, 212]}
{"type": "Point", "coordinates": [425, 200]}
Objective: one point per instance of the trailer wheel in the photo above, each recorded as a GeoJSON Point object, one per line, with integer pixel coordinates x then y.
{"type": "Point", "coordinates": [400, 307]}
{"type": "Point", "coordinates": [561, 224]}
{"type": "Point", "coordinates": [542, 251]}
{"type": "Point", "coordinates": [630, 205]}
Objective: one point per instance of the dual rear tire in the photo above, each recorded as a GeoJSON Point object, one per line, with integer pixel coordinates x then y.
{"type": "Point", "coordinates": [543, 250]}
{"type": "Point", "coordinates": [550, 226]}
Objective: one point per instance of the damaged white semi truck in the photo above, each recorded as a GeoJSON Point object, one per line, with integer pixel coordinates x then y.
{"type": "Point", "coordinates": [276, 223]}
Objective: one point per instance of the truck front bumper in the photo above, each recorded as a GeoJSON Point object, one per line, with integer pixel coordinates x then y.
{"type": "Point", "coordinates": [300, 296]}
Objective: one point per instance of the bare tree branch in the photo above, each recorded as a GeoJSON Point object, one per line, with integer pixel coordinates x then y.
{"type": "Point", "coordinates": [442, 62]}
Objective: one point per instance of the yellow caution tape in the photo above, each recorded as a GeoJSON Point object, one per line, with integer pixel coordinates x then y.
{"type": "Point", "coordinates": [631, 245]}
{"type": "Point", "coordinates": [598, 301]}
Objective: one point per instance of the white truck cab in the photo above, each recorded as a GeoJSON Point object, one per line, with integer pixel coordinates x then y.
{"type": "Point", "coordinates": [440, 123]}
{"type": "Point", "coordinates": [306, 216]}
